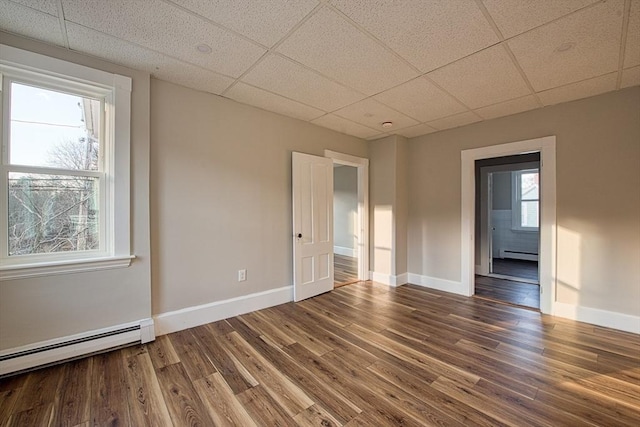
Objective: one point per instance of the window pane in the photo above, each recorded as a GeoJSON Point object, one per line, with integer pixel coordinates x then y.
{"type": "Point", "coordinates": [50, 213]}
{"type": "Point", "coordinates": [529, 186]}
{"type": "Point", "coordinates": [53, 129]}
{"type": "Point", "coordinates": [529, 214]}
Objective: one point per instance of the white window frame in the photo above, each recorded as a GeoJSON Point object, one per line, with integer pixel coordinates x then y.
{"type": "Point", "coordinates": [516, 201]}
{"type": "Point", "coordinates": [51, 73]}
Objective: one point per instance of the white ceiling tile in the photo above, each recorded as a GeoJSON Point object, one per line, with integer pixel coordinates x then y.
{"type": "Point", "coordinates": [413, 131]}
{"type": "Point", "coordinates": [484, 78]}
{"type": "Point", "coordinates": [115, 50]}
{"type": "Point", "coordinates": [428, 34]}
{"type": "Point", "coordinates": [632, 50]}
{"type": "Point", "coordinates": [421, 100]}
{"type": "Point", "coordinates": [377, 136]}
{"type": "Point", "coordinates": [579, 90]}
{"type": "Point", "coordinates": [265, 21]}
{"type": "Point", "coordinates": [345, 126]}
{"type": "Point", "coordinates": [595, 32]}
{"type": "Point", "coordinates": [454, 121]}
{"type": "Point", "coordinates": [631, 77]}
{"type": "Point", "coordinates": [30, 23]}
{"type": "Point", "coordinates": [329, 44]}
{"type": "Point", "coordinates": [46, 6]}
{"type": "Point", "coordinates": [507, 108]}
{"type": "Point", "coordinates": [371, 113]}
{"type": "Point", "coordinates": [191, 76]}
{"type": "Point", "coordinates": [268, 101]}
{"type": "Point", "coordinates": [167, 29]}
{"type": "Point", "coordinates": [517, 16]}
{"type": "Point", "coordinates": [285, 77]}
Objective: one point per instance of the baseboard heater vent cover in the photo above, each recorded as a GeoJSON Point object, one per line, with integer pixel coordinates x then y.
{"type": "Point", "coordinates": [527, 256]}
{"type": "Point", "coordinates": [57, 350]}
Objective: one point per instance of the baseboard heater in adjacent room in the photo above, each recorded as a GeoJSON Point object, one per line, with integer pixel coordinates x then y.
{"type": "Point", "coordinates": [509, 254]}
{"type": "Point", "coordinates": [57, 350]}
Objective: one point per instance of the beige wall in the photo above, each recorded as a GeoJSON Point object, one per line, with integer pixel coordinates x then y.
{"type": "Point", "coordinates": [345, 206]}
{"type": "Point", "coordinates": [33, 310]}
{"type": "Point", "coordinates": [388, 205]}
{"type": "Point", "coordinates": [221, 194]}
{"type": "Point", "coordinates": [402, 203]}
{"type": "Point", "coordinates": [598, 201]}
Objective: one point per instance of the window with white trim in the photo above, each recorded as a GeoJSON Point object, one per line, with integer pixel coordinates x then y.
{"type": "Point", "coordinates": [64, 169]}
{"type": "Point", "coordinates": [526, 200]}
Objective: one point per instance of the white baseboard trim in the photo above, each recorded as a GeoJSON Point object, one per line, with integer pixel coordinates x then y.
{"type": "Point", "coordinates": [344, 251]}
{"type": "Point", "coordinates": [72, 346]}
{"type": "Point", "coordinates": [190, 317]}
{"type": "Point", "coordinates": [608, 319]}
{"type": "Point", "coordinates": [389, 279]}
{"type": "Point", "coordinates": [438, 284]}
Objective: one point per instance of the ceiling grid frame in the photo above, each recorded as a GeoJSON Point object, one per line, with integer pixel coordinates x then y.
{"type": "Point", "coordinates": [381, 34]}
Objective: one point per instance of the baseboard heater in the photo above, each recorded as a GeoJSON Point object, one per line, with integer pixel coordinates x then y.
{"type": "Point", "coordinates": [528, 256]}
{"type": "Point", "coordinates": [45, 353]}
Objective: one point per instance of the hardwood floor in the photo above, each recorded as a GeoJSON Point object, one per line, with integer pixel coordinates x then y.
{"type": "Point", "coordinates": [516, 268]}
{"type": "Point", "coordinates": [509, 291]}
{"type": "Point", "coordinates": [345, 270]}
{"type": "Point", "coordinates": [362, 355]}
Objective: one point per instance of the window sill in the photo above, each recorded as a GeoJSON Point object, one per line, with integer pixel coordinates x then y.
{"type": "Point", "coordinates": [11, 272]}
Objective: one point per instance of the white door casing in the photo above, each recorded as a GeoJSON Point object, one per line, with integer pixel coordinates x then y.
{"type": "Point", "coordinates": [312, 193]}
{"type": "Point", "coordinates": [547, 258]}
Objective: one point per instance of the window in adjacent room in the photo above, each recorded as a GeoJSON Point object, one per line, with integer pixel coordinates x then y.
{"type": "Point", "coordinates": [526, 199]}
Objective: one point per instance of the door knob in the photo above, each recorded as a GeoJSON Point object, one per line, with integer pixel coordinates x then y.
{"type": "Point", "coordinates": [299, 235]}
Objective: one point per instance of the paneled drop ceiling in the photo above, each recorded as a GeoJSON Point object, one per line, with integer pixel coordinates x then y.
{"type": "Point", "coordinates": [350, 65]}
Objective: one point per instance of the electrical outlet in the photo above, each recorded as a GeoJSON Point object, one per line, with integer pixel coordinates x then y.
{"type": "Point", "coordinates": [242, 275]}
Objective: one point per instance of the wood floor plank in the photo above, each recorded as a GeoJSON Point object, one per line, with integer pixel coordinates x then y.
{"type": "Point", "coordinates": [264, 409]}
{"type": "Point", "coordinates": [300, 336]}
{"type": "Point", "coordinates": [232, 373]}
{"type": "Point", "coordinates": [183, 402]}
{"type": "Point", "coordinates": [72, 403]}
{"type": "Point", "coordinates": [315, 415]}
{"type": "Point", "coordinates": [36, 416]}
{"type": "Point", "coordinates": [261, 322]}
{"type": "Point", "coordinates": [147, 406]}
{"type": "Point", "coordinates": [109, 391]}
{"type": "Point", "coordinates": [162, 352]}
{"type": "Point", "coordinates": [8, 400]}
{"type": "Point", "coordinates": [288, 395]}
{"type": "Point", "coordinates": [39, 389]}
{"type": "Point", "coordinates": [222, 405]}
{"type": "Point", "coordinates": [190, 353]}
{"type": "Point", "coordinates": [339, 406]}
{"type": "Point", "coordinates": [420, 389]}
{"type": "Point", "coordinates": [362, 355]}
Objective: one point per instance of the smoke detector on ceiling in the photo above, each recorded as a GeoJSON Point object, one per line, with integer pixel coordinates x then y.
{"type": "Point", "coordinates": [566, 46]}
{"type": "Point", "coordinates": [203, 48]}
{"type": "Point", "coordinates": [387, 125]}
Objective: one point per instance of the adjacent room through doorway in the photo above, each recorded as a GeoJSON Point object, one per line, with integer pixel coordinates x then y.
{"type": "Point", "coordinates": [508, 218]}
{"type": "Point", "coordinates": [345, 223]}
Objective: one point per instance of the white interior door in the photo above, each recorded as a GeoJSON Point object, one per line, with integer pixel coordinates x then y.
{"type": "Point", "coordinates": [312, 183]}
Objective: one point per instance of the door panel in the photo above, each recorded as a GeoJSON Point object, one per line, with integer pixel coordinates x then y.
{"type": "Point", "coordinates": [312, 184]}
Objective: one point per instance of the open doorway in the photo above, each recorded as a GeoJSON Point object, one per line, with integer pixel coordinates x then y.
{"type": "Point", "coordinates": [351, 234]}
{"type": "Point", "coordinates": [546, 146]}
{"type": "Point", "coordinates": [345, 224]}
{"type": "Point", "coordinates": [507, 229]}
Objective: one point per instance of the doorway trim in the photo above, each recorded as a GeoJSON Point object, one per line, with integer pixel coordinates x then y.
{"type": "Point", "coordinates": [547, 258]}
{"type": "Point", "coordinates": [362, 166]}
